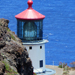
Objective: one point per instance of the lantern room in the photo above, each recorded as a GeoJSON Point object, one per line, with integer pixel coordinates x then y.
{"type": "Point", "coordinates": [30, 24]}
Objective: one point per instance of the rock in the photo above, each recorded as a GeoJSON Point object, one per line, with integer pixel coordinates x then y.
{"type": "Point", "coordinates": [7, 37]}
{"type": "Point", "coordinates": [1, 57]}
{"type": "Point", "coordinates": [2, 44]}
{"type": "Point", "coordinates": [4, 22]}
{"type": "Point", "coordinates": [2, 68]}
{"type": "Point", "coordinates": [13, 52]}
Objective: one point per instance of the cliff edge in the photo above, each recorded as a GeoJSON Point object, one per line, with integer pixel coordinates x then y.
{"type": "Point", "coordinates": [14, 58]}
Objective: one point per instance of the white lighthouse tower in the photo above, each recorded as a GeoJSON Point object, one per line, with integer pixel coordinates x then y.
{"type": "Point", "coordinates": [30, 31]}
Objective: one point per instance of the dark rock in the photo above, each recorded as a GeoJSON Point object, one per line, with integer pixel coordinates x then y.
{"type": "Point", "coordinates": [2, 68]}
{"type": "Point", "coordinates": [2, 44]}
{"type": "Point", "coordinates": [7, 37]}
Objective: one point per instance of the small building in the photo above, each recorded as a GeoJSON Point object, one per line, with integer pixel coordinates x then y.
{"type": "Point", "coordinates": [30, 31]}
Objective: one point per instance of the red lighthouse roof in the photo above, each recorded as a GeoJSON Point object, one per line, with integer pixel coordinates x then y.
{"type": "Point", "coordinates": [29, 13]}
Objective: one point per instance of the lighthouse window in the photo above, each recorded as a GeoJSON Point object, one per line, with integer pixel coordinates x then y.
{"type": "Point", "coordinates": [30, 47]}
{"type": "Point", "coordinates": [40, 47]}
{"type": "Point", "coordinates": [30, 31]}
{"type": "Point", "coordinates": [41, 63]}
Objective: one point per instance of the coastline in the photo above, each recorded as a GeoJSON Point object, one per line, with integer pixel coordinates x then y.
{"type": "Point", "coordinates": [59, 71]}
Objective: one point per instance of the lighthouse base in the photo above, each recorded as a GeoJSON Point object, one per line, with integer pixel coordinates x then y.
{"type": "Point", "coordinates": [46, 72]}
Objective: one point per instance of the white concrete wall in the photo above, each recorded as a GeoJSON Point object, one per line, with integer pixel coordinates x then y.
{"type": "Point", "coordinates": [36, 54]}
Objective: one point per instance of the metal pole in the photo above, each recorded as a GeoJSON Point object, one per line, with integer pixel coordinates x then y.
{"type": "Point", "coordinates": [53, 63]}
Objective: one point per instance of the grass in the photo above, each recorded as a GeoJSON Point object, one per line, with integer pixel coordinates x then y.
{"type": "Point", "coordinates": [9, 74]}
{"type": "Point", "coordinates": [7, 66]}
{"type": "Point", "coordinates": [0, 24]}
{"type": "Point", "coordinates": [8, 29]}
{"type": "Point", "coordinates": [65, 72]}
{"type": "Point", "coordinates": [12, 36]}
{"type": "Point", "coordinates": [8, 69]}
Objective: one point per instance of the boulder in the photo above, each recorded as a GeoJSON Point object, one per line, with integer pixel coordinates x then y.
{"type": "Point", "coordinates": [2, 68]}
{"type": "Point", "coordinates": [2, 44]}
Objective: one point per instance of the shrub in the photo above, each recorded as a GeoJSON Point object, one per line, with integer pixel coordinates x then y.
{"type": "Point", "coordinates": [62, 65]}
{"type": "Point", "coordinates": [66, 68]}
{"type": "Point", "coordinates": [72, 64]}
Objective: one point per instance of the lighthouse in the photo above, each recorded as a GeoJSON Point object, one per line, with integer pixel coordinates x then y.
{"type": "Point", "coordinates": [30, 31]}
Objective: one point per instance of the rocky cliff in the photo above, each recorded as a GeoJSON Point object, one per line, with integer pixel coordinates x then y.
{"type": "Point", "coordinates": [14, 59]}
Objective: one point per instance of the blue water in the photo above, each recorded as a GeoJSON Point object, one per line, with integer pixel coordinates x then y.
{"type": "Point", "coordinates": [59, 25]}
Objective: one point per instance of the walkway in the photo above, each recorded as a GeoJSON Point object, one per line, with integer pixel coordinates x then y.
{"type": "Point", "coordinates": [59, 71]}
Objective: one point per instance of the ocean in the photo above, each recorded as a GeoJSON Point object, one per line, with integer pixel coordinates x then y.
{"type": "Point", "coordinates": [58, 26]}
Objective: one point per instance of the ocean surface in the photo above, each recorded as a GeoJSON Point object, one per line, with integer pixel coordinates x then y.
{"type": "Point", "coordinates": [58, 29]}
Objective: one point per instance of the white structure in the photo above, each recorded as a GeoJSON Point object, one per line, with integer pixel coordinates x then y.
{"type": "Point", "coordinates": [30, 31]}
{"type": "Point", "coordinates": [36, 52]}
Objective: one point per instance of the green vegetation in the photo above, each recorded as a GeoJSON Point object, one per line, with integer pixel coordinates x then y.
{"type": "Point", "coordinates": [12, 36]}
{"type": "Point", "coordinates": [65, 68]}
{"type": "Point", "coordinates": [0, 24]}
{"type": "Point", "coordinates": [62, 65]}
{"type": "Point", "coordinates": [72, 64]}
{"type": "Point", "coordinates": [8, 29]}
{"type": "Point", "coordinates": [9, 74]}
{"type": "Point", "coordinates": [8, 69]}
{"type": "Point", "coordinates": [7, 66]}
{"type": "Point", "coordinates": [65, 72]}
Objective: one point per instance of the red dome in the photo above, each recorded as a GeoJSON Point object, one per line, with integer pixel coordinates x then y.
{"type": "Point", "coordinates": [30, 13]}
